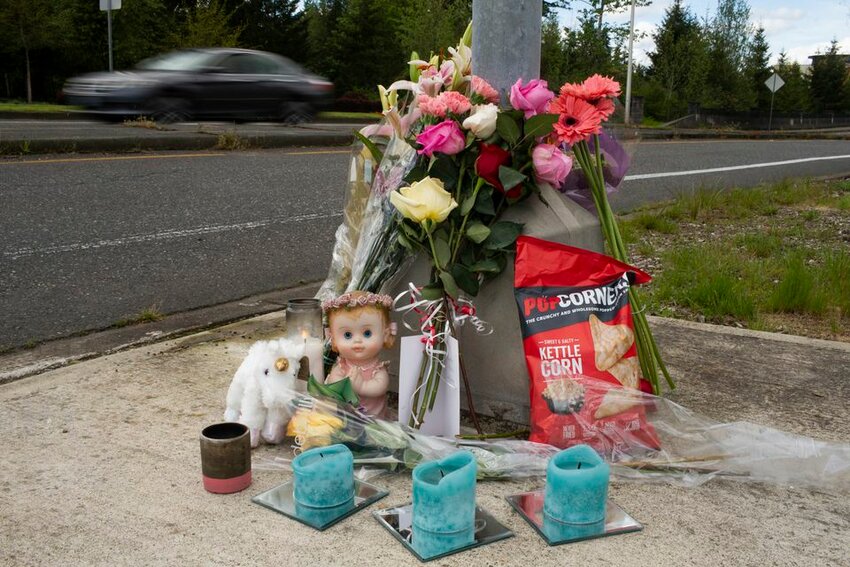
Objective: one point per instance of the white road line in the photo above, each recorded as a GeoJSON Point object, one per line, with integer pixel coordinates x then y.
{"type": "Point", "coordinates": [732, 167]}
{"type": "Point", "coordinates": [164, 235]}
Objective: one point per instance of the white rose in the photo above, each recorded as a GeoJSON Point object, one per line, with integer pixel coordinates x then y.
{"type": "Point", "coordinates": [482, 121]}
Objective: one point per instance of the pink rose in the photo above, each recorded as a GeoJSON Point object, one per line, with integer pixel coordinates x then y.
{"type": "Point", "coordinates": [445, 138]}
{"type": "Point", "coordinates": [532, 98]}
{"type": "Point", "coordinates": [551, 165]}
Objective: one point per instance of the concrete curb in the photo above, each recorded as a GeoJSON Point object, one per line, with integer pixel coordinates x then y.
{"type": "Point", "coordinates": [165, 142]}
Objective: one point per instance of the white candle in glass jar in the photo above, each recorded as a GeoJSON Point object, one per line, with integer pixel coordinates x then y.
{"type": "Point", "coordinates": [314, 350]}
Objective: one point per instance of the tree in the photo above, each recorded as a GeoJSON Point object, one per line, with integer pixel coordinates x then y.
{"type": "Point", "coordinates": [590, 49]}
{"type": "Point", "coordinates": [273, 25]}
{"type": "Point", "coordinates": [794, 94]}
{"type": "Point", "coordinates": [140, 30]}
{"type": "Point", "coordinates": [677, 66]}
{"type": "Point", "coordinates": [728, 36]}
{"type": "Point", "coordinates": [27, 25]}
{"type": "Point", "coordinates": [322, 18]}
{"type": "Point", "coordinates": [757, 69]}
{"type": "Point", "coordinates": [208, 25]}
{"type": "Point", "coordinates": [427, 26]}
{"type": "Point", "coordinates": [828, 76]}
{"type": "Point", "coordinates": [552, 53]}
{"type": "Point", "coordinates": [366, 49]}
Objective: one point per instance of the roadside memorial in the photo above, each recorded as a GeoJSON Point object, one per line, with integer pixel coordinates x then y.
{"type": "Point", "coordinates": [432, 180]}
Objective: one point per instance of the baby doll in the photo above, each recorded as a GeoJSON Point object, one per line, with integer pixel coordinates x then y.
{"type": "Point", "coordinates": [360, 329]}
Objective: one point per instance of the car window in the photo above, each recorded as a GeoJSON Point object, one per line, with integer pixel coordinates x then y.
{"type": "Point", "coordinates": [176, 61]}
{"type": "Point", "coordinates": [246, 63]}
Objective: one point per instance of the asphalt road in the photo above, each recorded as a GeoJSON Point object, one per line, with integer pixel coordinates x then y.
{"type": "Point", "coordinates": [91, 240]}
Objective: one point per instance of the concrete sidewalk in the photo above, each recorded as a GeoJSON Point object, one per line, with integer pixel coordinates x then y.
{"type": "Point", "coordinates": [101, 466]}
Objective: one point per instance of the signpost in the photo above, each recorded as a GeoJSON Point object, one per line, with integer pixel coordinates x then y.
{"type": "Point", "coordinates": [107, 6]}
{"type": "Point", "coordinates": [774, 83]}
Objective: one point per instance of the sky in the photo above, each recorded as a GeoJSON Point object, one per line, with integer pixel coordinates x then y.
{"type": "Point", "coordinates": [798, 28]}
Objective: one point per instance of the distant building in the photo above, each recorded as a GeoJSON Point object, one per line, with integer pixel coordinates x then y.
{"type": "Point", "coordinates": [844, 56]}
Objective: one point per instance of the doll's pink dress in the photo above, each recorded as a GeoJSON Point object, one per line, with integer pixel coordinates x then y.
{"type": "Point", "coordinates": [375, 405]}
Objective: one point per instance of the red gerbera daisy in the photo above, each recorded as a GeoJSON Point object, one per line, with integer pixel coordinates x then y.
{"type": "Point", "coordinates": [578, 119]}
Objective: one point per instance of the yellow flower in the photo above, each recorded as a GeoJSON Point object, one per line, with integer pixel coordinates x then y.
{"type": "Point", "coordinates": [312, 428]}
{"type": "Point", "coordinates": [424, 200]}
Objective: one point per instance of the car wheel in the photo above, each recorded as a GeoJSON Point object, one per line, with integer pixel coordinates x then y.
{"type": "Point", "coordinates": [168, 110]}
{"type": "Point", "coordinates": [296, 112]}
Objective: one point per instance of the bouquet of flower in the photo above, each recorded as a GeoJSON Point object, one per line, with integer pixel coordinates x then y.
{"type": "Point", "coordinates": [458, 161]}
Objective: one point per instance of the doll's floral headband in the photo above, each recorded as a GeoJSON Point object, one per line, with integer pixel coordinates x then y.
{"type": "Point", "coordinates": [350, 301]}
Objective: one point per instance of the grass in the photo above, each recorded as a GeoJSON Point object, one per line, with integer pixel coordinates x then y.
{"type": "Point", "coordinates": [147, 315]}
{"type": "Point", "coordinates": [655, 223]}
{"type": "Point", "coordinates": [771, 257]}
{"type": "Point", "coordinates": [230, 140]}
{"type": "Point", "coordinates": [364, 116]}
{"type": "Point", "coordinates": [143, 122]}
{"type": "Point", "coordinates": [18, 106]}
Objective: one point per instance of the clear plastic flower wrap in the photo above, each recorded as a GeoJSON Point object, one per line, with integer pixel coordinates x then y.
{"type": "Point", "coordinates": [367, 255]}
{"type": "Point", "coordinates": [686, 448]}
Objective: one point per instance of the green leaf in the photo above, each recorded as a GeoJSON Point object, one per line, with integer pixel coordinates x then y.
{"type": "Point", "coordinates": [502, 235]}
{"type": "Point", "coordinates": [477, 232]}
{"type": "Point", "coordinates": [431, 292]}
{"type": "Point", "coordinates": [466, 280]}
{"type": "Point", "coordinates": [418, 173]}
{"type": "Point", "coordinates": [487, 265]}
{"type": "Point", "coordinates": [377, 154]}
{"type": "Point", "coordinates": [484, 203]}
{"type": "Point", "coordinates": [510, 177]}
{"type": "Point", "coordinates": [467, 255]}
{"type": "Point", "coordinates": [409, 231]}
{"type": "Point", "coordinates": [467, 205]}
{"type": "Point", "coordinates": [507, 127]}
{"type": "Point", "coordinates": [403, 240]}
{"type": "Point", "coordinates": [444, 168]}
{"type": "Point", "coordinates": [540, 125]}
{"type": "Point", "coordinates": [449, 284]}
{"type": "Point", "coordinates": [444, 253]}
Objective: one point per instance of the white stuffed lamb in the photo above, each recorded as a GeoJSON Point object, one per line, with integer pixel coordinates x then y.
{"type": "Point", "coordinates": [262, 388]}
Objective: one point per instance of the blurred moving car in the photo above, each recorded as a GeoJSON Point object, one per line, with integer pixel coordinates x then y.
{"type": "Point", "coordinates": [221, 83]}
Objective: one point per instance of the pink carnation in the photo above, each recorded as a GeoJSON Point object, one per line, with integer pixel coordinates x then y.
{"type": "Point", "coordinates": [455, 102]}
{"type": "Point", "coordinates": [483, 89]}
{"type": "Point", "coordinates": [433, 106]}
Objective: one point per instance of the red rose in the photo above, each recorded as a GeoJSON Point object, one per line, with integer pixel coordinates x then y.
{"type": "Point", "coordinates": [490, 158]}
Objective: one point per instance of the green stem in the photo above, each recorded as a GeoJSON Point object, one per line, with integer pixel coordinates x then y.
{"type": "Point", "coordinates": [649, 356]}
{"type": "Point", "coordinates": [456, 246]}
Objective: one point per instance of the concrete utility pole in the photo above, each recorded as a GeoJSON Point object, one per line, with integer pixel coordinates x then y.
{"type": "Point", "coordinates": [506, 36]}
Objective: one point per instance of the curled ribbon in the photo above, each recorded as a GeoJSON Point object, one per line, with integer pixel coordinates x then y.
{"type": "Point", "coordinates": [435, 330]}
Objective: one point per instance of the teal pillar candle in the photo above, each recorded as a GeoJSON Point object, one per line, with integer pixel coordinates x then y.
{"type": "Point", "coordinates": [319, 517]}
{"type": "Point", "coordinates": [576, 486]}
{"type": "Point", "coordinates": [444, 504]}
{"type": "Point", "coordinates": [558, 531]}
{"type": "Point", "coordinates": [324, 477]}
